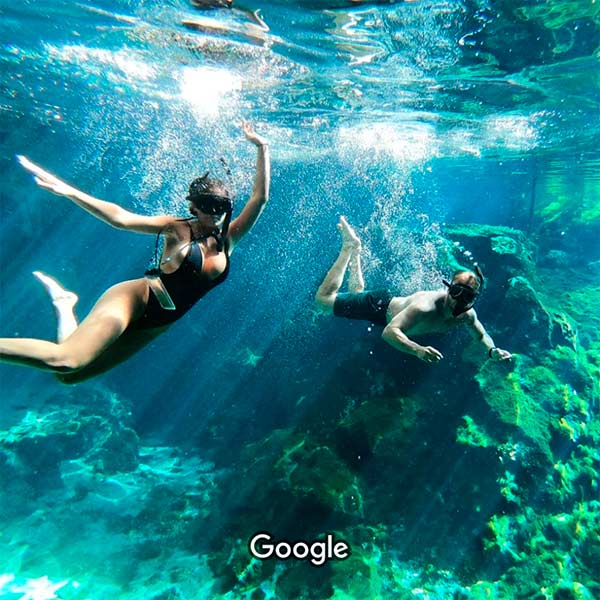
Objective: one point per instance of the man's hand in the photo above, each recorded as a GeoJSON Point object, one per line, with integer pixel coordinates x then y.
{"type": "Point", "coordinates": [429, 354]}
{"type": "Point", "coordinates": [499, 355]}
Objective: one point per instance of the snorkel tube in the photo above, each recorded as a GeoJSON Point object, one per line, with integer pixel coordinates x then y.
{"type": "Point", "coordinates": [480, 276]}
{"type": "Point", "coordinates": [224, 228]}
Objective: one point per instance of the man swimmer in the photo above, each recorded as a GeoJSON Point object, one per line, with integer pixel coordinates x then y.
{"type": "Point", "coordinates": [403, 317]}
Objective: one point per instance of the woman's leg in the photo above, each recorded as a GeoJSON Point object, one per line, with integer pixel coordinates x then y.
{"type": "Point", "coordinates": [130, 343]}
{"type": "Point", "coordinates": [64, 305]}
{"type": "Point", "coordinates": [109, 318]}
{"type": "Point", "coordinates": [328, 290]}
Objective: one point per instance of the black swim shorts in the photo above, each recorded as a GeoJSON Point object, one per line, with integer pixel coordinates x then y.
{"type": "Point", "coordinates": [368, 306]}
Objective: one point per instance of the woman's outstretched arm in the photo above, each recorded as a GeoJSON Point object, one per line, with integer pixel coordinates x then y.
{"type": "Point", "coordinates": [260, 192]}
{"type": "Point", "coordinates": [110, 213]}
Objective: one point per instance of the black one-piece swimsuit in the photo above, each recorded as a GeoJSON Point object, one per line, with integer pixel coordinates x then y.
{"type": "Point", "coordinates": [186, 286]}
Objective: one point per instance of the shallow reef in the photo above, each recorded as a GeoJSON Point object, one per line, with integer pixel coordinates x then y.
{"type": "Point", "coordinates": [89, 511]}
{"type": "Point", "coordinates": [481, 482]}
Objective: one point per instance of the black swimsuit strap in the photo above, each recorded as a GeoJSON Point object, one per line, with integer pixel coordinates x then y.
{"type": "Point", "coordinates": [154, 268]}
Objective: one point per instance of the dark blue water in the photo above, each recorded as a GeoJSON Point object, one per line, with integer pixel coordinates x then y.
{"type": "Point", "coordinates": [421, 122]}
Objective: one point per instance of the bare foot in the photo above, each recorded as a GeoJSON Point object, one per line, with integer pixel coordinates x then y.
{"type": "Point", "coordinates": [349, 238]}
{"type": "Point", "coordinates": [58, 294]}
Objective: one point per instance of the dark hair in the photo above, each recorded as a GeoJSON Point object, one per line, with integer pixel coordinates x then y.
{"type": "Point", "coordinates": [205, 187]}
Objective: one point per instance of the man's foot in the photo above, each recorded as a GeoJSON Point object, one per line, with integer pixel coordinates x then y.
{"type": "Point", "coordinates": [349, 238]}
{"type": "Point", "coordinates": [59, 295]}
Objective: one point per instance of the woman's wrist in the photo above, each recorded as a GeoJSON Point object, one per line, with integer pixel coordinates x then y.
{"type": "Point", "coordinates": [491, 350]}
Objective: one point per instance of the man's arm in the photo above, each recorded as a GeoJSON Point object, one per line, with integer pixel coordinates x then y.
{"type": "Point", "coordinates": [478, 332]}
{"type": "Point", "coordinates": [394, 335]}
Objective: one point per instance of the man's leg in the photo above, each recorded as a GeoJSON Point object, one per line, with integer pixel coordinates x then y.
{"type": "Point", "coordinates": [356, 282]}
{"type": "Point", "coordinates": [64, 305]}
{"type": "Point", "coordinates": [327, 292]}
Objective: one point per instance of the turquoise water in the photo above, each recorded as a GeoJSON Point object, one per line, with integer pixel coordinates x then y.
{"type": "Point", "coordinates": [438, 129]}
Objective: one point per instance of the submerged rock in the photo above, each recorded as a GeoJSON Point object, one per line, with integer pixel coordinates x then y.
{"type": "Point", "coordinates": [33, 451]}
{"type": "Point", "coordinates": [502, 252]}
{"type": "Point", "coordinates": [505, 389]}
{"type": "Point", "coordinates": [513, 292]}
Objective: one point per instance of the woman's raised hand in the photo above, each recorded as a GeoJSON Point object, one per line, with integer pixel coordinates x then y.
{"type": "Point", "coordinates": [251, 135]}
{"type": "Point", "coordinates": [45, 179]}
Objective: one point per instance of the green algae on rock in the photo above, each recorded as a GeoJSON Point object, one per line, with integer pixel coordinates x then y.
{"type": "Point", "coordinates": [506, 395]}
{"type": "Point", "coordinates": [472, 434]}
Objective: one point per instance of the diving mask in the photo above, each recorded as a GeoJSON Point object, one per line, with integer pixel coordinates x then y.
{"type": "Point", "coordinates": [464, 295]}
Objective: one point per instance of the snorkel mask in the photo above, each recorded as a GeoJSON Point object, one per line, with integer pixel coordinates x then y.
{"type": "Point", "coordinates": [464, 294]}
{"type": "Point", "coordinates": [212, 198]}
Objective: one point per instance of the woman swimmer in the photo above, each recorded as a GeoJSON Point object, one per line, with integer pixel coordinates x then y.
{"type": "Point", "coordinates": [127, 316]}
